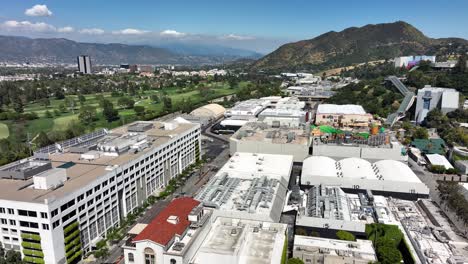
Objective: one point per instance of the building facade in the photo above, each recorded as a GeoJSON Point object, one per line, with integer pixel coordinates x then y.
{"type": "Point", "coordinates": [54, 219]}
{"type": "Point", "coordinates": [84, 64]}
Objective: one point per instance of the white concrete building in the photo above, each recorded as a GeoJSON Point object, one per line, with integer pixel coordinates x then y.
{"type": "Point", "coordinates": [249, 186]}
{"type": "Point", "coordinates": [439, 160]}
{"type": "Point", "coordinates": [316, 250]}
{"type": "Point", "coordinates": [240, 241]}
{"type": "Point", "coordinates": [406, 61]}
{"type": "Point", "coordinates": [56, 205]}
{"type": "Point", "coordinates": [428, 98]}
{"type": "Point", "coordinates": [258, 137]}
{"type": "Point", "coordinates": [342, 116]}
{"type": "Point", "coordinates": [385, 177]}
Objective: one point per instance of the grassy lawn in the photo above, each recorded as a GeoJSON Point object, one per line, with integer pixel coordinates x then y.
{"type": "Point", "coordinates": [4, 131]}
{"type": "Point", "coordinates": [61, 122]}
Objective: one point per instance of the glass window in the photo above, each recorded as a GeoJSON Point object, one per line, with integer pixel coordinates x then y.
{"type": "Point", "coordinates": [131, 258]}
{"type": "Point", "coordinates": [149, 256]}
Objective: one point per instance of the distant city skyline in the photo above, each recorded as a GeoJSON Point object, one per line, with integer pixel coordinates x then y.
{"type": "Point", "coordinates": [260, 25]}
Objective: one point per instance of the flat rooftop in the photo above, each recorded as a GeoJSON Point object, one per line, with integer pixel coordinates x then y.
{"type": "Point", "coordinates": [348, 109]}
{"type": "Point", "coordinates": [361, 249]}
{"type": "Point", "coordinates": [81, 172]}
{"type": "Point", "coordinates": [259, 131]}
{"type": "Point", "coordinates": [233, 240]}
{"type": "Point", "coordinates": [251, 185]}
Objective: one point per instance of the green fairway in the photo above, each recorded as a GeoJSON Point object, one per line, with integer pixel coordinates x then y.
{"type": "Point", "coordinates": [61, 123]}
{"type": "Point", "coordinates": [4, 132]}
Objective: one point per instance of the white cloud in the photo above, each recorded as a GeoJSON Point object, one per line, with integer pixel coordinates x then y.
{"type": "Point", "coordinates": [12, 25]}
{"type": "Point", "coordinates": [92, 31]}
{"type": "Point", "coordinates": [172, 33]}
{"type": "Point", "coordinates": [38, 11]}
{"type": "Point", "coordinates": [130, 31]}
{"type": "Point", "coordinates": [237, 37]}
{"type": "Point", "coordinates": [65, 30]}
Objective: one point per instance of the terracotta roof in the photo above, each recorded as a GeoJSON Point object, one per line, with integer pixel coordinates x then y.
{"type": "Point", "coordinates": [160, 230]}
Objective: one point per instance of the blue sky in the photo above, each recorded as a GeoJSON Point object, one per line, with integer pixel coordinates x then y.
{"type": "Point", "coordinates": [257, 24]}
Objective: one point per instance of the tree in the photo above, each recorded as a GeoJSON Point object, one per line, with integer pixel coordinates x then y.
{"type": "Point", "coordinates": [87, 114]}
{"type": "Point", "coordinates": [62, 108]}
{"type": "Point", "coordinates": [82, 99]}
{"type": "Point", "coordinates": [167, 104]}
{"type": "Point", "coordinates": [301, 231]}
{"type": "Point", "coordinates": [421, 133]}
{"type": "Point", "coordinates": [13, 257]}
{"type": "Point", "coordinates": [126, 102]}
{"type": "Point", "coordinates": [46, 102]}
{"type": "Point", "coordinates": [345, 235]}
{"type": "Point", "coordinates": [43, 140]}
{"type": "Point", "coordinates": [18, 105]}
{"type": "Point", "coordinates": [461, 64]}
{"type": "Point", "coordinates": [388, 254]}
{"type": "Point", "coordinates": [59, 94]}
{"type": "Point", "coordinates": [155, 98]}
{"type": "Point", "coordinates": [139, 110]}
{"type": "Point", "coordinates": [108, 111]}
{"type": "Point", "coordinates": [295, 261]}
{"type": "Point", "coordinates": [48, 114]}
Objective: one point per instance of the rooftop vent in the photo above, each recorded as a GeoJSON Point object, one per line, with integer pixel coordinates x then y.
{"type": "Point", "coordinates": [173, 219]}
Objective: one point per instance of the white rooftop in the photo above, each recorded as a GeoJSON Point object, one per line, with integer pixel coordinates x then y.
{"type": "Point", "coordinates": [242, 241]}
{"type": "Point", "coordinates": [348, 109]}
{"type": "Point", "coordinates": [437, 159]}
{"type": "Point", "coordinates": [249, 186]}
{"type": "Point", "coordinates": [363, 248]}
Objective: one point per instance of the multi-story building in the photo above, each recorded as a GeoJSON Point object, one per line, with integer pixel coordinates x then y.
{"type": "Point", "coordinates": [84, 64]}
{"type": "Point", "coordinates": [446, 99]}
{"type": "Point", "coordinates": [353, 116]}
{"type": "Point", "coordinates": [56, 205]}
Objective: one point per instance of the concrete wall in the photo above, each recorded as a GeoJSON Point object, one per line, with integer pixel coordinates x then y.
{"type": "Point", "coordinates": [299, 152]}
{"type": "Point", "coordinates": [367, 153]}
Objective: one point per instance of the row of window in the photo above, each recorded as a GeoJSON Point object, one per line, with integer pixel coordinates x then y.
{"type": "Point", "coordinates": [22, 212]}
{"type": "Point", "coordinates": [22, 224]}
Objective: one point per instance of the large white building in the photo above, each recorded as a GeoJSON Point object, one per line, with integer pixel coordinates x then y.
{"type": "Point", "coordinates": [428, 98]}
{"type": "Point", "coordinates": [406, 61]}
{"type": "Point", "coordinates": [385, 177]}
{"type": "Point", "coordinates": [259, 137]}
{"type": "Point", "coordinates": [342, 116]}
{"type": "Point", "coordinates": [316, 250]}
{"type": "Point", "coordinates": [249, 186]}
{"type": "Point", "coordinates": [186, 232]}
{"type": "Point", "coordinates": [56, 205]}
{"type": "Point", "coordinates": [84, 64]}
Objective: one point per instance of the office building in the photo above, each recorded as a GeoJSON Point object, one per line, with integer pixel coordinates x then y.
{"type": "Point", "coordinates": [316, 250]}
{"type": "Point", "coordinates": [385, 177]}
{"type": "Point", "coordinates": [249, 186]}
{"type": "Point", "coordinates": [411, 61]}
{"type": "Point", "coordinates": [84, 64]}
{"type": "Point", "coordinates": [56, 205]}
{"type": "Point", "coordinates": [428, 98]}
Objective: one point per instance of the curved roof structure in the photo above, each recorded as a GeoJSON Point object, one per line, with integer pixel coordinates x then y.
{"type": "Point", "coordinates": [392, 170]}
{"type": "Point", "coordinates": [319, 166]}
{"type": "Point", "coordinates": [356, 168]}
{"type": "Point", "coordinates": [209, 110]}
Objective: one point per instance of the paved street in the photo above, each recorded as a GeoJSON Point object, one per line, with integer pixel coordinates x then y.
{"type": "Point", "coordinates": [217, 152]}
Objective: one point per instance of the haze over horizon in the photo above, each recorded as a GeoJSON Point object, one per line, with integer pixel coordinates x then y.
{"type": "Point", "coordinates": [260, 26]}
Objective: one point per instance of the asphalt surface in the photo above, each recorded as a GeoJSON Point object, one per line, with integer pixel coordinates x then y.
{"type": "Point", "coordinates": [217, 152]}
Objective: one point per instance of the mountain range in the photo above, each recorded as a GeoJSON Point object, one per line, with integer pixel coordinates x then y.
{"type": "Point", "coordinates": [357, 45]}
{"type": "Point", "coordinates": [60, 50]}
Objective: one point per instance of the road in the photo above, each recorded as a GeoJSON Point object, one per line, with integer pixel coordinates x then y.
{"type": "Point", "coordinates": [217, 152]}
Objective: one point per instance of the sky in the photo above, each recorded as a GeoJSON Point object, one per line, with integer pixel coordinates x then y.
{"type": "Point", "coordinates": [259, 25]}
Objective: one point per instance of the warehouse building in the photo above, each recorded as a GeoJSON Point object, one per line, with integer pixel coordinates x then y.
{"type": "Point", "coordinates": [258, 137]}
{"type": "Point", "coordinates": [353, 116]}
{"type": "Point", "coordinates": [56, 205]}
{"type": "Point", "coordinates": [316, 250]}
{"type": "Point", "coordinates": [326, 209]}
{"type": "Point", "coordinates": [233, 240]}
{"type": "Point", "coordinates": [385, 177]}
{"type": "Point", "coordinates": [249, 186]}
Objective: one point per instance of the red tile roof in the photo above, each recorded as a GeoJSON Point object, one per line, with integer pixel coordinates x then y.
{"type": "Point", "coordinates": [160, 230]}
